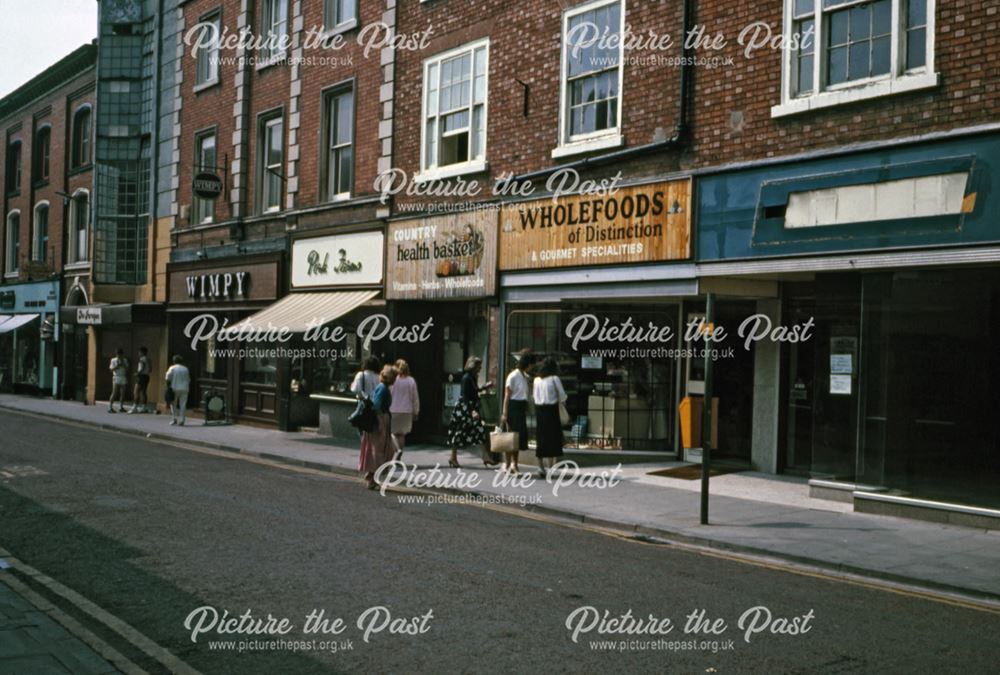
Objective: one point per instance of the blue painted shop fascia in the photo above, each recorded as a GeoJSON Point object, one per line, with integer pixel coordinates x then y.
{"type": "Point", "coordinates": [740, 212]}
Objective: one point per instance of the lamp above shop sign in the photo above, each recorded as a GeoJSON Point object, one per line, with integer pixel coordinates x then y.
{"type": "Point", "coordinates": [338, 260]}
{"type": "Point", "coordinates": [207, 185]}
{"type": "Point", "coordinates": [448, 256]}
{"type": "Point", "coordinates": [639, 223]}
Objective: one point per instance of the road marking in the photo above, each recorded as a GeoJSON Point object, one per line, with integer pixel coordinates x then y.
{"type": "Point", "coordinates": [131, 635]}
{"type": "Point", "coordinates": [21, 471]}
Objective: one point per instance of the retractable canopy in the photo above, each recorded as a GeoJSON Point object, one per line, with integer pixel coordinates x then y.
{"type": "Point", "coordinates": [297, 311]}
{"type": "Point", "coordinates": [16, 321]}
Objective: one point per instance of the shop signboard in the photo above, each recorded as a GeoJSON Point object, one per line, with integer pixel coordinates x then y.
{"type": "Point", "coordinates": [223, 284]}
{"type": "Point", "coordinates": [639, 223]}
{"type": "Point", "coordinates": [442, 257]}
{"type": "Point", "coordinates": [88, 316]}
{"type": "Point", "coordinates": [353, 259]}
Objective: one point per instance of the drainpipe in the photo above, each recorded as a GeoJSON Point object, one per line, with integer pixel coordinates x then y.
{"type": "Point", "coordinates": [680, 131]}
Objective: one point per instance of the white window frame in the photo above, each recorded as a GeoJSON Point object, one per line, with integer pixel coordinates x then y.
{"type": "Point", "coordinates": [898, 80]}
{"type": "Point", "coordinates": [264, 126]}
{"type": "Point", "coordinates": [596, 140]}
{"type": "Point", "coordinates": [429, 171]}
{"type": "Point", "coordinates": [327, 171]}
{"type": "Point", "coordinates": [77, 257]}
{"type": "Point", "coordinates": [39, 252]}
{"type": "Point", "coordinates": [270, 25]}
{"type": "Point", "coordinates": [203, 209]}
{"type": "Point", "coordinates": [333, 22]}
{"type": "Point", "coordinates": [207, 58]}
{"type": "Point", "coordinates": [12, 245]}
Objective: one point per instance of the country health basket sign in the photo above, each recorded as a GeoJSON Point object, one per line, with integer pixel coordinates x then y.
{"type": "Point", "coordinates": [639, 223]}
{"type": "Point", "coordinates": [442, 257]}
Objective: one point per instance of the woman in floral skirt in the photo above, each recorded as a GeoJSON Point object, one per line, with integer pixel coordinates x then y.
{"type": "Point", "coordinates": [466, 425]}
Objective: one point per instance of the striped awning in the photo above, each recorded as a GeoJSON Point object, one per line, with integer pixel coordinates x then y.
{"type": "Point", "coordinates": [298, 311]}
{"type": "Point", "coordinates": [16, 322]}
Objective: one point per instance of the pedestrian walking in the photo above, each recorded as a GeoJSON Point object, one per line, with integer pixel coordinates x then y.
{"type": "Point", "coordinates": [140, 400]}
{"type": "Point", "coordinates": [378, 445]}
{"type": "Point", "coordinates": [178, 384]}
{"type": "Point", "coordinates": [405, 405]}
{"type": "Point", "coordinates": [549, 394]}
{"type": "Point", "coordinates": [515, 407]}
{"type": "Point", "coordinates": [366, 379]}
{"type": "Point", "coordinates": [466, 425]}
{"type": "Point", "coordinates": [119, 380]}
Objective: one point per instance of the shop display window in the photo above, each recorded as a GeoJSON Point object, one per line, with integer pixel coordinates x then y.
{"type": "Point", "coordinates": [621, 395]}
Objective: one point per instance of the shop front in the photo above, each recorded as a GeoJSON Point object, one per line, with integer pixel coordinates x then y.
{"type": "Point", "coordinates": [599, 283]}
{"type": "Point", "coordinates": [126, 326]}
{"type": "Point", "coordinates": [443, 268]}
{"type": "Point", "coordinates": [335, 284]}
{"type": "Point", "coordinates": [241, 385]}
{"type": "Point", "coordinates": [29, 314]}
{"type": "Point", "coordinates": [892, 257]}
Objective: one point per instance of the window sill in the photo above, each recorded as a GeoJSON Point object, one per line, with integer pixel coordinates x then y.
{"type": "Point", "coordinates": [198, 88]}
{"type": "Point", "coordinates": [40, 183]}
{"type": "Point", "coordinates": [12, 275]}
{"type": "Point", "coordinates": [452, 170]}
{"type": "Point", "coordinates": [878, 89]}
{"type": "Point", "coordinates": [83, 168]}
{"type": "Point", "coordinates": [339, 29]}
{"type": "Point", "coordinates": [589, 145]}
{"type": "Point", "coordinates": [81, 265]}
{"type": "Point", "coordinates": [270, 61]}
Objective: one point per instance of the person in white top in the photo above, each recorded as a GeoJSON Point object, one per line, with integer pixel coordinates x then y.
{"type": "Point", "coordinates": [515, 406]}
{"type": "Point", "coordinates": [119, 380]}
{"type": "Point", "coordinates": [178, 384]}
{"type": "Point", "coordinates": [548, 394]}
{"type": "Point", "coordinates": [367, 379]}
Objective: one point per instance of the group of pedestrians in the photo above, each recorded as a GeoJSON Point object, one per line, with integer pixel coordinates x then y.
{"type": "Point", "coordinates": [545, 390]}
{"type": "Point", "coordinates": [396, 404]}
{"type": "Point", "coordinates": [393, 393]}
{"type": "Point", "coordinates": [177, 377]}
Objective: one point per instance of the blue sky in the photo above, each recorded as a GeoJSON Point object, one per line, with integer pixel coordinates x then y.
{"type": "Point", "coordinates": [34, 34]}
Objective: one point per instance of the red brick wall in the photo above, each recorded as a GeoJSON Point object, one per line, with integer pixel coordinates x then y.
{"type": "Point", "coordinates": [270, 89]}
{"type": "Point", "coordinates": [966, 57]}
{"type": "Point", "coordinates": [207, 108]}
{"type": "Point", "coordinates": [55, 109]}
{"type": "Point", "coordinates": [525, 42]}
{"type": "Point", "coordinates": [525, 45]}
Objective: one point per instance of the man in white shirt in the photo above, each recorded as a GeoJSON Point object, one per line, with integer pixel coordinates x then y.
{"type": "Point", "coordinates": [178, 384]}
{"type": "Point", "coordinates": [119, 380]}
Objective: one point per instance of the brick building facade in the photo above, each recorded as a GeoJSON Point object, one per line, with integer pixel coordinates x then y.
{"type": "Point", "coordinates": [48, 142]}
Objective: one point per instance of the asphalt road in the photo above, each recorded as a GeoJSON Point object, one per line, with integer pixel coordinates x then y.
{"type": "Point", "coordinates": [152, 532]}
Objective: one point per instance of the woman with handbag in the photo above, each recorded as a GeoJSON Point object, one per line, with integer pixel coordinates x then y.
{"type": "Point", "coordinates": [515, 407]}
{"type": "Point", "coordinates": [378, 445]}
{"type": "Point", "coordinates": [466, 425]}
{"type": "Point", "coordinates": [550, 401]}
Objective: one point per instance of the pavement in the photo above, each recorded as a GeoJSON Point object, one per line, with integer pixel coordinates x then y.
{"type": "Point", "coordinates": [32, 642]}
{"type": "Point", "coordinates": [751, 513]}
